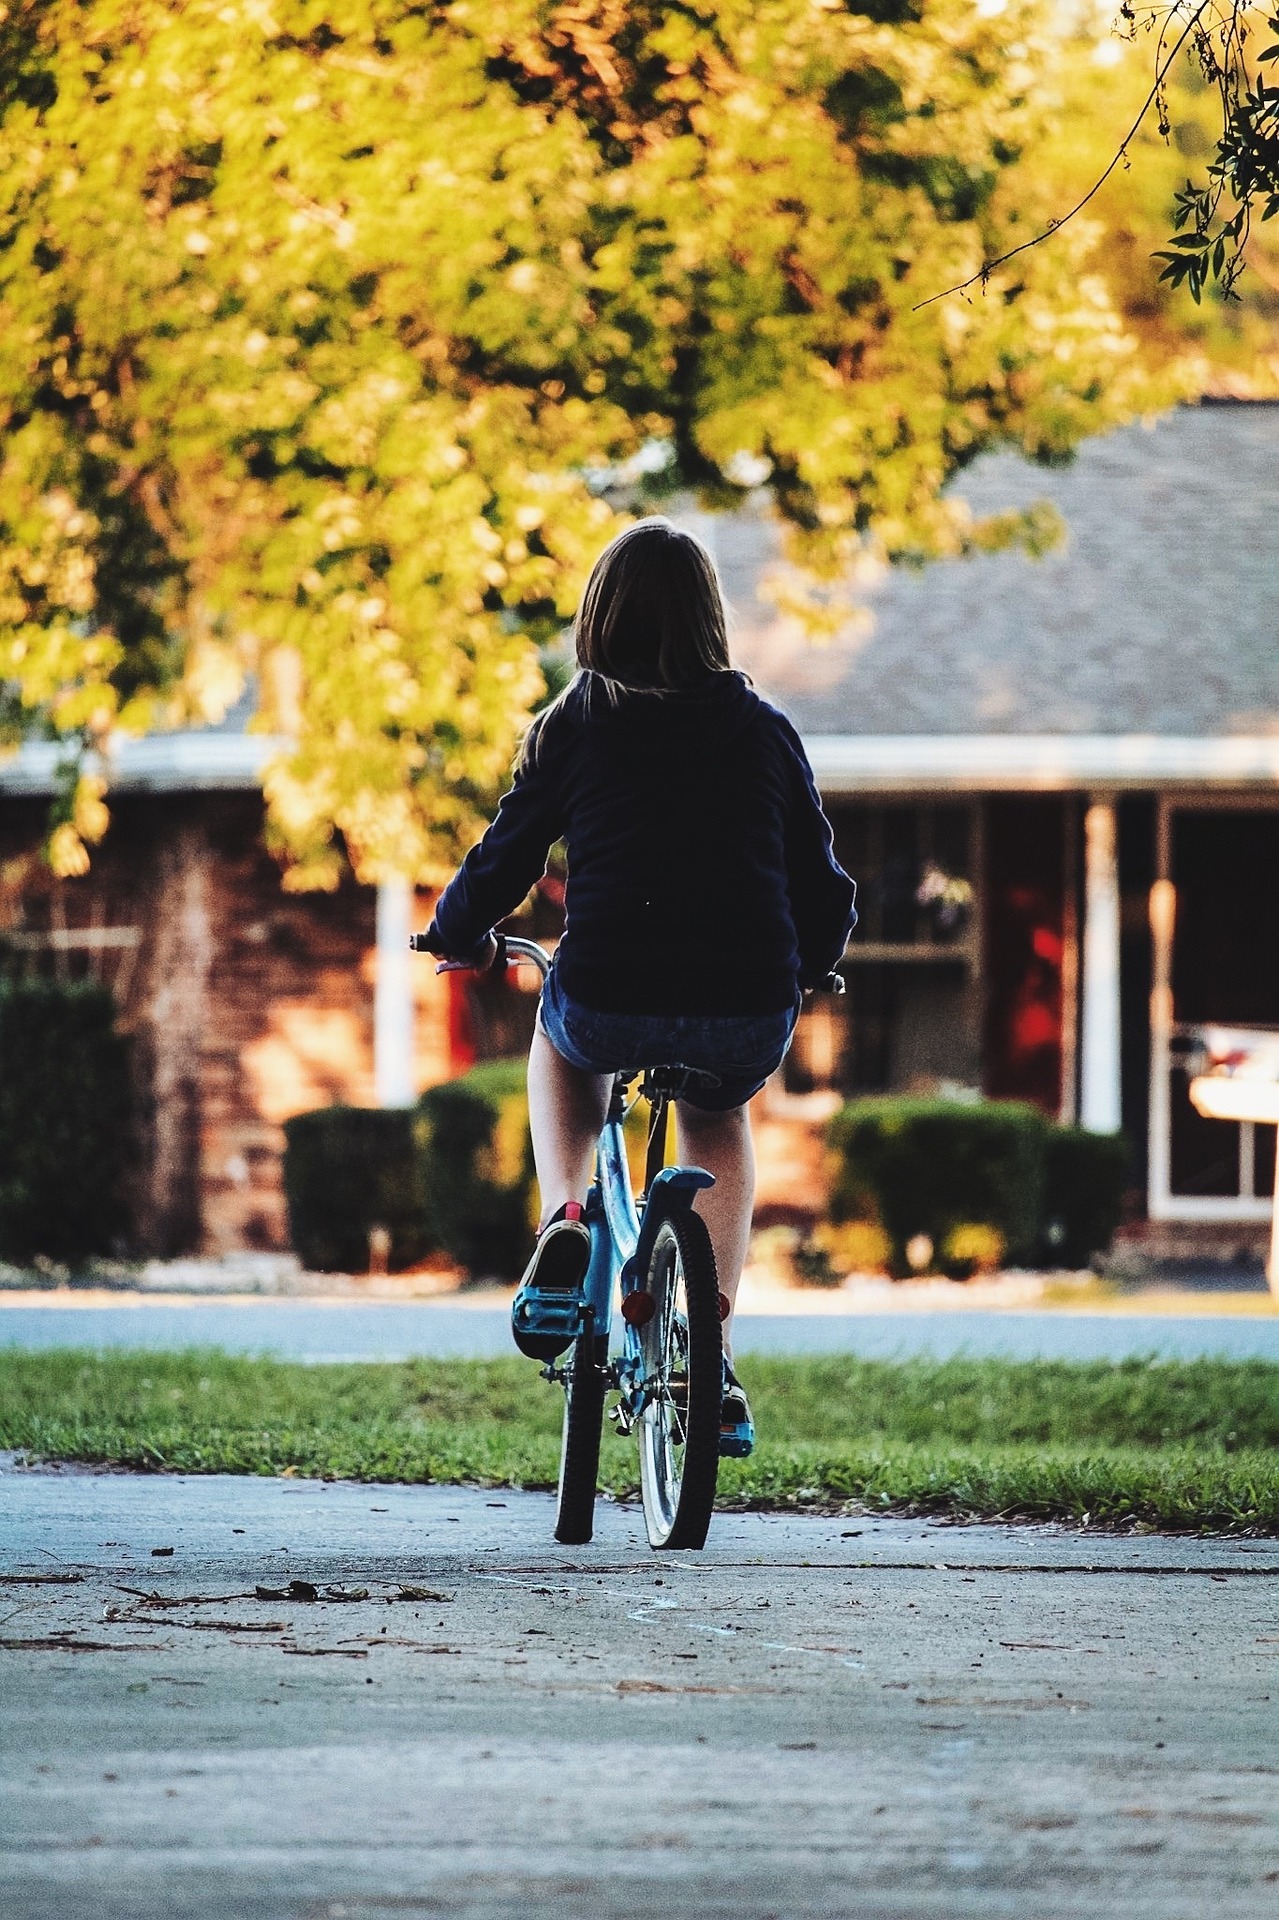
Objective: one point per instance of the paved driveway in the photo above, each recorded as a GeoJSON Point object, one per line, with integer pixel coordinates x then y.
{"type": "Point", "coordinates": [339, 1330]}
{"type": "Point", "coordinates": [849, 1717]}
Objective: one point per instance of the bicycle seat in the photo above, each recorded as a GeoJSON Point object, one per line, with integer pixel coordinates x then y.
{"type": "Point", "coordinates": [672, 1082]}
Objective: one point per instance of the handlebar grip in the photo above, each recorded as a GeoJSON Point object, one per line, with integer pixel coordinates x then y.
{"type": "Point", "coordinates": [450, 963]}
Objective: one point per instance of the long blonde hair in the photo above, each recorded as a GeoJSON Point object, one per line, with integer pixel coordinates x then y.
{"type": "Point", "coordinates": [652, 619]}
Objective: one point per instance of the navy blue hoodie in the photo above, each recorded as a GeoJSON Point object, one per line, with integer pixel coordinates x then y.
{"type": "Point", "coordinates": [700, 873]}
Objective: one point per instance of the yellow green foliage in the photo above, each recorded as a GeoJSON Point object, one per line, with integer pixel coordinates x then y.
{"type": "Point", "coordinates": [321, 319]}
{"type": "Point", "coordinates": [974, 1247]}
{"type": "Point", "coordinates": [504, 1162]}
{"type": "Point", "coordinates": [1214, 346]}
{"type": "Point", "coordinates": [853, 1246]}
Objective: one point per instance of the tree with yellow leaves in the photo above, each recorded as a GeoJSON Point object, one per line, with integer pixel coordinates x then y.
{"type": "Point", "coordinates": [328, 326]}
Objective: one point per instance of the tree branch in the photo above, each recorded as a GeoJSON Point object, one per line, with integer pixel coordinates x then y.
{"type": "Point", "coordinates": [1054, 226]}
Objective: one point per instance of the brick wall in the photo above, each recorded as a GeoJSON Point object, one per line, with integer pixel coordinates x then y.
{"type": "Point", "coordinates": [245, 1004]}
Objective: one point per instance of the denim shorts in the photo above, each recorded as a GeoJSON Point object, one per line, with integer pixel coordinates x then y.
{"type": "Point", "coordinates": [741, 1049]}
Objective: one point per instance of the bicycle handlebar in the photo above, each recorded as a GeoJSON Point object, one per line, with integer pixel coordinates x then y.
{"type": "Point", "coordinates": [512, 952]}
{"type": "Point", "coordinates": [531, 952]}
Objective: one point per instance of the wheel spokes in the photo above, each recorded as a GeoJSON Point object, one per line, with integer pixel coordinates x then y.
{"type": "Point", "coordinates": [667, 1424]}
{"type": "Point", "coordinates": [673, 1399]}
{"type": "Point", "coordinates": [675, 1378]}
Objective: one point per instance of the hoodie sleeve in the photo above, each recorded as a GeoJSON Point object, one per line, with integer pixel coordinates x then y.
{"type": "Point", "coordinates": [501, 868]}
{"type": "Point", "coordinates": [821, 893]}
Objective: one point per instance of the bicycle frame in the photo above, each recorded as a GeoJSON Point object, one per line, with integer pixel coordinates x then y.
{"type": "Point", "coordinates": [621, 1240]}
{"type": "Point", "coordinates": [613, 1218]}
{"type": "Point", "coordinates": [622, 1231]}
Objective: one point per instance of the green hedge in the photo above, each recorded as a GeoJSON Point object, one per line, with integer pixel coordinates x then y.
{"type": "Point", "coordinates": [1085, 1177]}
{"type": "Point", "coordinates": [346, 1171]}
{"type": "Point", "coordinates": [930, 1166]}
{"type": "Point", "coordinates": [66, 1122]}
{"type": "Point", "coordinates": [937, 1167]}
{"type": "Point", "coordinates": [476, 1163]}
{"type": "Point", "coordinates": [454, 1176]}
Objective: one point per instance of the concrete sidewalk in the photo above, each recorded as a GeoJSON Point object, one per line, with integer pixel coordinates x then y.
{"type": "Point", "coordinates": [869, 1717]}
{"type": "Point", "coordinates": [339, 1329]}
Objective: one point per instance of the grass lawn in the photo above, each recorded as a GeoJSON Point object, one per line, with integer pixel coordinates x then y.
{"type": "Point", "coordinates": [1173, 1446]}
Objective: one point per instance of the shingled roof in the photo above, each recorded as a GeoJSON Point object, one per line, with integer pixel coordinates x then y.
{"type": "Point", "coordinates": [1157, 616]}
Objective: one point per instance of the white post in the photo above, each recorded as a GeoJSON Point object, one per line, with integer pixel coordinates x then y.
{"type": "Point", "coordinates": [1163, 922]}
{"type": "Point", "coordinates": [393, 997]}
{"type": "Point", "coordinates": [1099, 1108]}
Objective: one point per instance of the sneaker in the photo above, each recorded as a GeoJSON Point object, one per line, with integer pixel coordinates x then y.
{"type": "Point", "coordinates": [546, 1312]}
{"type": "Point", "coordinates": [736, 1427]}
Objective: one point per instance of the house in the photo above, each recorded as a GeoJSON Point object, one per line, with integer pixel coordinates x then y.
{"type": "Point", "coordinates": [1090, 743]}
{"type": "Point", "coordinates": [1056, 780]}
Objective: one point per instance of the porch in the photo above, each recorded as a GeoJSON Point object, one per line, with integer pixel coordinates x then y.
{"type": "Point", "coordinates": [1026, 935]}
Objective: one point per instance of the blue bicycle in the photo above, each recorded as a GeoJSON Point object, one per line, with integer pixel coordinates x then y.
{"type": "Point", "coordinates": [651, 1254]}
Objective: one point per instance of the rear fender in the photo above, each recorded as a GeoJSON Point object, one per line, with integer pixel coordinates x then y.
{"type": "Point", "coordinates": [673, 1191]}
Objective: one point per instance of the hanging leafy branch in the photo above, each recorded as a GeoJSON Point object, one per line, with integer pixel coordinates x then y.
{"type": "Point", "coordinates": [1212, 220]}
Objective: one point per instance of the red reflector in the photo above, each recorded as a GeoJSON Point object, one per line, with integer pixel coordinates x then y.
{"type": "Point", "coordinates": [638, 1308]}
{"type": "Point", "coordinates": [725, 1306]}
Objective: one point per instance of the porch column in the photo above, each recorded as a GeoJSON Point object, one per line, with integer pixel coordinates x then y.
{"type": "Point", "coordinates": [1099, 1108]}
{"type": "Point", "coordinates": [393, 997]}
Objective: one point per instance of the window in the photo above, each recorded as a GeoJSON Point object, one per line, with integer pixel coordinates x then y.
{"type": "Point", "coordinates": [910, 1019]}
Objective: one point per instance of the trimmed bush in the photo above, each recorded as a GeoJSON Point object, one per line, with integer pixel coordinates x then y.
{"type": "Point", "coordinates": [454, 1176]}
{"type": "Point", "coordinates": [66, 1112]}
{"type": "Point", "coordinates": [479, 1188]}
{"type": "Point", "coordinates": [476, 1169]}
{"type": "Point", "coordinates": [980, 1181]}
{"type": "Point", "coordinates": [346, 1171]}
{"type": "Point", "coordinates": [1085, 1175]}
{"type": "Point", "coordinates": [927, 1167]}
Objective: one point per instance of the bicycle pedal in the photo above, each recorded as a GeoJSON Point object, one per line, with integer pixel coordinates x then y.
{"type": "Point", "coordinates": [545, 1323]}
{"type": "Point", "coordinates": [558, 1312]}
{"type": "Point", "coordinates": [736, 1437]}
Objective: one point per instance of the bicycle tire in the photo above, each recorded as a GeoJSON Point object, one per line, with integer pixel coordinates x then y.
{"type": "Point", "coordinates": [580, 1440]}
{"type": "Point", "coordinates": [679, 1461]}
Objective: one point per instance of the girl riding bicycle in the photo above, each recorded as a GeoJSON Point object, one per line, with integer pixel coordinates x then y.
{"type": "Point", "coordinates": [703, 896]}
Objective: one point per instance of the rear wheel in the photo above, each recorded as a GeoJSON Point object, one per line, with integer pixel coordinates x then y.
{"type": "Point", "coordinates": [580, 1442]}
{"type": "Point", "coordinates": [684, 1371]}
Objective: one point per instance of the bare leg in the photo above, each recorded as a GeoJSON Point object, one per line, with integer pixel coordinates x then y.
{"type": "Point", "coordinates": [721, 1143]}
{"type": "Point", "coordinates": [566, 1109]}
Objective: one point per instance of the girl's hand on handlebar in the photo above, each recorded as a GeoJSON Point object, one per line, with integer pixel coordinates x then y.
{"type": "Point", "coordinates": [485, 958]}
{"type": "Point", "coordinates": [484, 961]}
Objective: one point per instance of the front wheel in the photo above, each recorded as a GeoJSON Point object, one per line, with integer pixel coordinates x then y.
{"type": "Point", "coordinates": [580, 1442]}
{"type": "Point", "coordinates": [684, 1373]}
